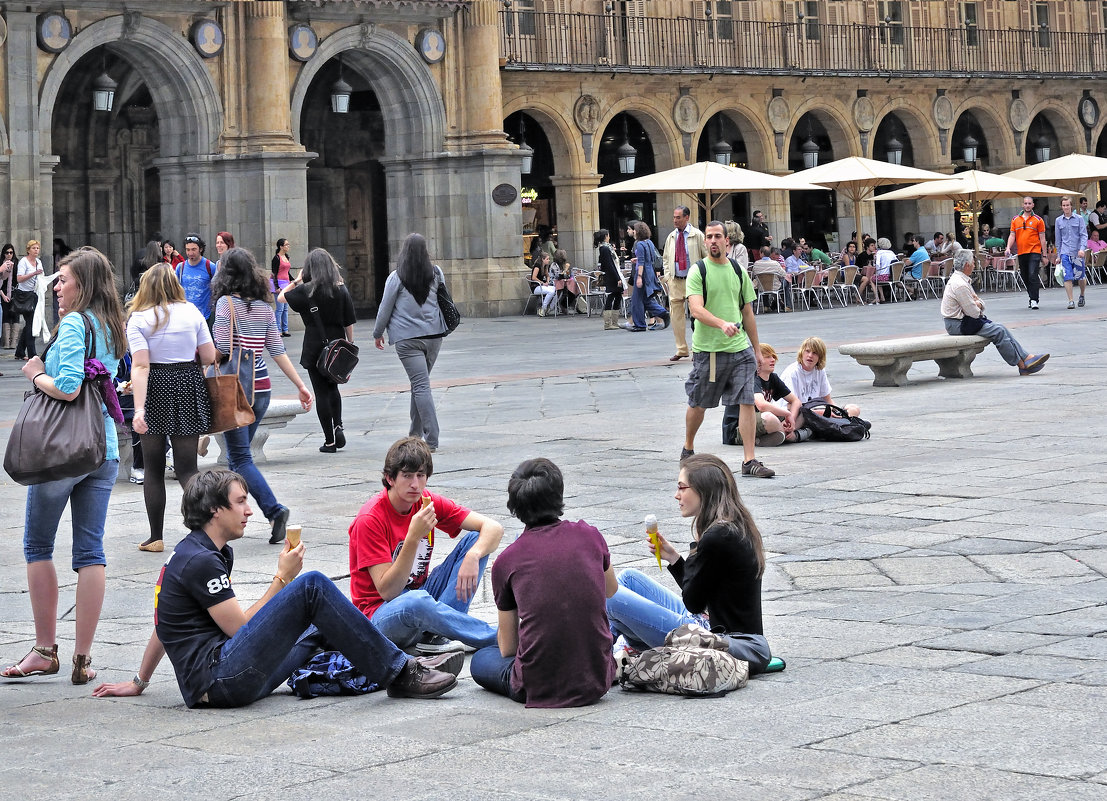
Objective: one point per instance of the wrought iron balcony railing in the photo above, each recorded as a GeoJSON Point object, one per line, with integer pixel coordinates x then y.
{"type": "Point", "coordinates": [611, 42]}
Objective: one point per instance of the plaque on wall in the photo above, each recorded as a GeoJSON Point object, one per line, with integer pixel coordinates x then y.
{"type": "Point", "coordinates": [3, 31]}
{"type": "Point", "coordinates": [302, 42]}
{"type": "Point", "coordinates": [207, 37]}
{"type": "Point", "coordinates": [1089, 111]}
{"type": "Point", "coordinates": [504, 195]}
{"type": "Point", "coordinates": [431, 45]}
{"type": "Point", "coordinates": [54, 32]}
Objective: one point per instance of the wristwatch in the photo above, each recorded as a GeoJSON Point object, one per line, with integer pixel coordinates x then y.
{"type": "Point", "coordinates": [140, 682]}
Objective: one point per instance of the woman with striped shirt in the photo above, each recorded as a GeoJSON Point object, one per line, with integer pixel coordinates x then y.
{"type": "Point", "coordinates": [242, 289]}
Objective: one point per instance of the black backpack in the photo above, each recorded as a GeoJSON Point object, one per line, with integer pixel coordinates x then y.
{"type": "Point", "coordinates": [832, 424]}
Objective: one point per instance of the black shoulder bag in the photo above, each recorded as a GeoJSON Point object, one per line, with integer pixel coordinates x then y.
{"type": "Point", "coordinates": [339, 356]}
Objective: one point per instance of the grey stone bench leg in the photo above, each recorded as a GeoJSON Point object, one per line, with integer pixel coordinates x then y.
{"type": "Point", "coordinates": [892, 374]}
{"type": "Point", "coordinates": [958, 366]}
{"type": "Point", "coordinates": [279, 415]}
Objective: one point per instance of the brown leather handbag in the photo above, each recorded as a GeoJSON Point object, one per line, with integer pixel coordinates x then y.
{"type": "Point", "coordinates": [229, 408]}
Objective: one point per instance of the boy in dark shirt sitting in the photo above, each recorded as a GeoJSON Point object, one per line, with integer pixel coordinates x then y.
{"type": "Point", "coordinates": [777, 407]}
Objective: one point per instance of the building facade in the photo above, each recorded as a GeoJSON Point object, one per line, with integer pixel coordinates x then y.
{"type": "Point", "coordinates": [229, 115]}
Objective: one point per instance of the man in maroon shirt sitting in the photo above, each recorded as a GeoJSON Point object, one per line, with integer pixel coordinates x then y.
{"type": "Point", "coordinates": [551, 587]}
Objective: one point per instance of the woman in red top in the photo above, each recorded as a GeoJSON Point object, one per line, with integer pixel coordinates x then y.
{"type": "Point", "coordinates": [169, 253]}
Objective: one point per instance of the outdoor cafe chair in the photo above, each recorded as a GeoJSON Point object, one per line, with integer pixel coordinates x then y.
{"type": "Point", "coordinates": [847, 288]}
{"type": "Point", "coordinates": [772, 286]}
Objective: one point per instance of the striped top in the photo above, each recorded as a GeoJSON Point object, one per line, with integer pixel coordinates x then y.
{"type": "Point", "coordinates": [255, 329]}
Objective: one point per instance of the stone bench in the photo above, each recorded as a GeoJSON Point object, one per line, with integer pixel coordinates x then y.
{"type": "Point", "coordinates": [280, 413]}
{"type": "Point", "coordinates": [890, 359]}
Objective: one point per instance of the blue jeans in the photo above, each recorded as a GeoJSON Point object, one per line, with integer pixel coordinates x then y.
{"type": "Point", "coordinates": [282, 317]}
{"type": "Point", "coordinates": [435, 607]}
{"type": "Point", "coordinates": [418, 357]}
{"type": "Point", "coordinates": [88, 497]}
{"type": "Point", "coordinates": [241, 460]}
{"type": "Point", "coordinates": [640, 304]}
{"type": "Point", "coordinates": [493, 672]}
{"type": "Point", "coordinates": [294, 624]}
{"type": "Point", "coordinates": [644, 612]}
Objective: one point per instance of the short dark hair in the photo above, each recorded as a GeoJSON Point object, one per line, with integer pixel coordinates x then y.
{"type": "Point", "coordinates": [938, 234]}
{"type": "Point", "coordinates": [206, 492]}
{"type": "Point", "coordinates": [684, 211]}
{"type": "Point", "coordinates": [718, 224]}
{"type": "Point", "coordinates": [918, 240]}
{"type": "Point", "coordinates": [535, 492]}
{"type": "Point", "coordinates": [408, 455]}
{"type": "Point", "coordinates": [195, 240]}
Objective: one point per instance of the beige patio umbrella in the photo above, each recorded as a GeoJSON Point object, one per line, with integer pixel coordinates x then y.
{"type": "Point", "coordinates": [857, 178]}
{"type": "Point", "coordinates": [709, 178]}
{"type": "Point", "coordinates": [976, 186]}
{"type": "Point", "coordinates": [1076, 167]}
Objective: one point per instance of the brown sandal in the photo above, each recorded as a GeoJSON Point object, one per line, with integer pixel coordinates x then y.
{"type": "Point", "coordinates": [81, 672]}
{"type": "Point", "coordinates": [51, 653]}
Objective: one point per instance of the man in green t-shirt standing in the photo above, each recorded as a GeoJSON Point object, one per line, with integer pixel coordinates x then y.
{"type": "Point", "coordinates": [725, 350]}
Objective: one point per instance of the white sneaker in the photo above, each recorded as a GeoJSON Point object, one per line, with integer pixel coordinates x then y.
{"type": "Point", "coordinates": [1034, 304]}
{"type": "Point", "coordinates": [137, 475]}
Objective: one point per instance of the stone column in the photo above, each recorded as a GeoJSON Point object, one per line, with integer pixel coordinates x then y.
{"type": "Point", "coordinates": [577, 214]}
{"type": "Point", "coordinates": [483, 100]}
{"type": "Point", "coordinates": [29, 205]}
{"type": "Point", "coordinates": [269, 116]}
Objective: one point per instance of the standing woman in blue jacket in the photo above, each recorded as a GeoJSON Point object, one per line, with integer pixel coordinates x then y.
{"type": "Point", "coordinates": [644, 280]}
{"type": "Point", "coordinates": [409, 311]}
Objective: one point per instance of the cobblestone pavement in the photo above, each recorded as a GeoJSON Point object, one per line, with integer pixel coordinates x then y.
{"type": "Point", "coordinates": [937, 591]}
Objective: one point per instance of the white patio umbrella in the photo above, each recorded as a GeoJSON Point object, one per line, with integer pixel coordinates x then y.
{"type": "Point", "coordinates": [1075, 167]}
{"type": "Point", "coordinates": [709, 178]}
{"type": "Point", "coordinates": [857, 178]}
{"type": "Point", "coordinates": [976, 186]}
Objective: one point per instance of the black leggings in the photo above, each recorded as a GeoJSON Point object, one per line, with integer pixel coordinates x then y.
{"type": "Point", "coordinates": [26, 344]}
{"type": "Point", "coordinates": [153, 482]}
{"type": "Point", "coordinates": [614, 300]}
{"type": "Point", "coordinates": [328, 403]}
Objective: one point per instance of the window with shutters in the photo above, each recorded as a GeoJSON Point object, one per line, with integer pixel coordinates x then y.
{"type": "Point", "coordinates": [1041, 20]}
{"type": "Point", "coordinates": [809, 12]}
{"type": "Point", "coordinates": [971, 24]}
{"type": "Point", "coordinates": [891, 21]}
{"type": "Point", "coordinates": [520, 18]}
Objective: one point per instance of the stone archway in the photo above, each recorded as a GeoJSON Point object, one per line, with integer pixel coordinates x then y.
{"type": "Point", "coordinates": [184, 97]}
{"type": "Point", "coordinates": [414, 114]}
{"type": "Point", "coordinates": [184, 94]}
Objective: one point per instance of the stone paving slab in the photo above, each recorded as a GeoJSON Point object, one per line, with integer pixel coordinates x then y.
{"type": "Point", "coordinates": [938, 590]}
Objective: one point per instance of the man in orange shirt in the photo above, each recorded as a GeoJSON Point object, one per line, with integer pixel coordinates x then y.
{"type": "Point", "coordinates": [1028, 234]}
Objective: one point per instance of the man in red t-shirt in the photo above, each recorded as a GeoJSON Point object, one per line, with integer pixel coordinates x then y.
{"type": "Point", "coordinates": [391, 544]}
{"type": "Point", "coordinates": [1028, 239]}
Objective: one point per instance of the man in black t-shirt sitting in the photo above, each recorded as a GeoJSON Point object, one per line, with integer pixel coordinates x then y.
{"type": "Point", "coordinates": [777, 407]}
{"type": "Point", "coordinates": [225, 656]}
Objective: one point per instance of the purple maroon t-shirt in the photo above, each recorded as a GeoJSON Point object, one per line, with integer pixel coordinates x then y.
{"type": "Point", "coordinates": [554, 577]}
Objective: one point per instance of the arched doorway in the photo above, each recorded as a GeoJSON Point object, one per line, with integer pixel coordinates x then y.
{"type": "Point", "coordinates": [616, 209]}
{"type": "Point", "coordinates": [814, 213]}
{"type": "Point", "coordinates": [106, 185]}
{"type": "Point", "coordinates": [721, 136]}
{"type": "Point", "coordinates": [892, 142]}
{"type": "Point", "coordinates": [345, 182]}
{"type": "Point", "coordinates": [538, 194]}
{"type": "Point", "coordinates": [120, 172]}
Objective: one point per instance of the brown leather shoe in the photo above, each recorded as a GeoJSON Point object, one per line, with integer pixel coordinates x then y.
{"type": "Point", "coordinates": [416, 680]}
{"type": "Point", "coordinates": [676, 357]}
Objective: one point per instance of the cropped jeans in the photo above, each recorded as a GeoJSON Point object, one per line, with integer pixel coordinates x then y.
{"type": "Point", "coordinates": [644, 612]}
{"type": "Point", "coordinates": [241, 459]}
{"type": "Point", "coordinates": [287, 631]}
{"type": "Point", "coordinates": [88, 497]}
{"type": "Point", "coordinates": [435, 608]}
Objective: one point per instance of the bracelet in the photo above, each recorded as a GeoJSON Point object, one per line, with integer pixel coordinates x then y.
{"type": "Point", "coordinates": [33, 380]}
{"type": "Point", "coordinates": [140, 682]}
{"type": "Point", "coordinates": [281, 580]}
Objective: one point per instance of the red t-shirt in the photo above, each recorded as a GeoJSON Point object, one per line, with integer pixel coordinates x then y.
{"type": "Point", "coordinates": [376, 536]}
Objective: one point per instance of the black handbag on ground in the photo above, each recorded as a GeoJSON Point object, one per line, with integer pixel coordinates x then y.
{"type": "Point", "coordinates": [54, 439]}
{"type": "Point", "coordinates": [24, 302]}
{"type": "Point", "coordinates": [832, 424]}
{"type": "Point", "coordinates": [450, 315]}
{"type": "Point", "coordinates": [339, 356]}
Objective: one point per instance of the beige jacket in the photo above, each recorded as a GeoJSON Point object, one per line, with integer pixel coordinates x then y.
{"type": "Point", "coordinates": [696, 249]}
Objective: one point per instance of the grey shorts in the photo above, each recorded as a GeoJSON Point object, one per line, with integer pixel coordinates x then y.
{"type": "Point", "coordinates": [733, 384]}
